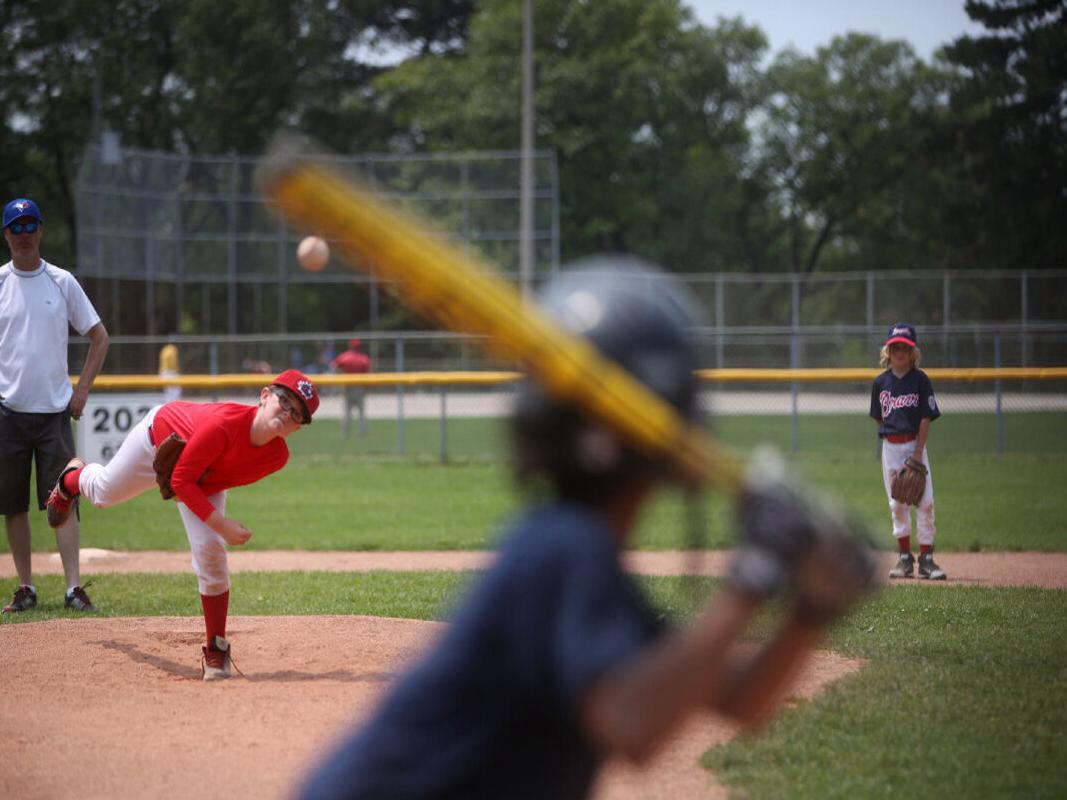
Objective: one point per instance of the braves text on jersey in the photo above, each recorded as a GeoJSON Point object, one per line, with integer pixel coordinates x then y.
{"type": "Point", "coordinates": [900, 404]}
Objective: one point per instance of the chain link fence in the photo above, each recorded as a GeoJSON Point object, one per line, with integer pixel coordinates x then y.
{"type": "Point", "coordinates": [197, 248]}
{"type": "Point", "coordinates": [192, 239]}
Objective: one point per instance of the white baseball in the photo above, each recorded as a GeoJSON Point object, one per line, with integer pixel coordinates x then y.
{"type": "Point", "coordinates": [313, 253]}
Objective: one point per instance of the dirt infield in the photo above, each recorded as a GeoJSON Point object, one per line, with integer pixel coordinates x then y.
{"type": "Point", "coordinates": [115, 707]}
{"type": "Point", "coordinates": [105, 708]}
{"type": "Point", "coordinates": [1044, 570]}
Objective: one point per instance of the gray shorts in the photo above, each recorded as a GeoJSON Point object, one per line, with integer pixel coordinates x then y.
{"type": "Point", "coordinates": [46, 440]}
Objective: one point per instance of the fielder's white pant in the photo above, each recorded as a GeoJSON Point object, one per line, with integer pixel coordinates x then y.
{"type": "Point", "coordinates": [893, 457]}
{"type": "Point", "coordinates": [129, 474]}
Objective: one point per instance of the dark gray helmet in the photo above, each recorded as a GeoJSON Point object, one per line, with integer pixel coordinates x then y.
{"type": "Point", "coordinates": [640, 318]}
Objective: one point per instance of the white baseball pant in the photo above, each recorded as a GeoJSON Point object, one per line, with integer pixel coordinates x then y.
{"type": "Point", "coordinates": [129, 474]}
{"type": "Point", "coordinates": [893, 457]}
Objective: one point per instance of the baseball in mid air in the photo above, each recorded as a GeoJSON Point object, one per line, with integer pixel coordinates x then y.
{"type": "Point", "coordinates": [313, 253]}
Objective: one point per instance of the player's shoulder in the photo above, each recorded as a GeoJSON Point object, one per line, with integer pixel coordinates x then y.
{"type": "Point", "coordinates": [224, 416]}
{"type": "Point", "coordinates": [58, 274]}
{"type": "Point", "coordinates": [920, 376]}
{"type": "Point", "coordinates": [556, 534]}
{"type": "Point", "coordinates": [884, 378]}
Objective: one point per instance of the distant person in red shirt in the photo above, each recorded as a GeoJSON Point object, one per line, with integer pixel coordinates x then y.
{"type": "Point", "coordinates": [352, 360]}
{"type": "Point", "coordinates": [227, 445]}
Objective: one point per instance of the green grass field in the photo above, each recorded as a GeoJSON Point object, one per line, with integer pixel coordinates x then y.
{"type": "Point", "coordinates": [965, 689]}
{"type": "Point", "coordinates": [351, 494]}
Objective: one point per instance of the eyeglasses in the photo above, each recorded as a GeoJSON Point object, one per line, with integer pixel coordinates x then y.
{"type": "Point", "coordinates": [20, 227]}
{"type": "Point", "coordinates": [294, 413]}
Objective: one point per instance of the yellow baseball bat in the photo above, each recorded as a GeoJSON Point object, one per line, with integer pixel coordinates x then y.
{"type": "Point", "coordinates": [463, 293]}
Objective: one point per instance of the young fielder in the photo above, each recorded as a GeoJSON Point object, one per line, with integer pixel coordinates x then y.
{"type": "Point", "coordinates": [556, 662]}
{"type": "Point", "coordinates": [226, 445]}
{"type": "Point", "coordinates": [903, 406]}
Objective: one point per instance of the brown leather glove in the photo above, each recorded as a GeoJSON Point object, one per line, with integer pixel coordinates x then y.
{"type": "Point", "coordinates": [909, 483]}
{"type": "Point", "coordinates": [167, 455]}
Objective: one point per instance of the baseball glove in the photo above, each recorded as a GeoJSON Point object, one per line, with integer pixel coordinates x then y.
{"type": "Point", "coordinates": [167, 455]}
{"type": "Point", "coordinates": [909, 482]}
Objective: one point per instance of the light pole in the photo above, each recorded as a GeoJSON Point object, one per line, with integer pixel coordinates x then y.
{"type": "Point", "coordinates": [526, 207]}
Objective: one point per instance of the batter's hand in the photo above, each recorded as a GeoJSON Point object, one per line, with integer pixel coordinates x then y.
{"type": "Point", "coordinates": [784, 523]}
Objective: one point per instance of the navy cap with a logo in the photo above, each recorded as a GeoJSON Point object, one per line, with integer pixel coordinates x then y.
{"type": "Point", "coordinates": [904, 333]}
{"type": "Point", "coordinates": [21, 207]}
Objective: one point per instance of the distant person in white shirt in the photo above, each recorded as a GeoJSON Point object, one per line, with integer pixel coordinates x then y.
{"type": "Point", "coordinates": [39, 302]}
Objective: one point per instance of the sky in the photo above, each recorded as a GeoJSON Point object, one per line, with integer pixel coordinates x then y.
{"type": "Point", "coordinates": [808, 24]}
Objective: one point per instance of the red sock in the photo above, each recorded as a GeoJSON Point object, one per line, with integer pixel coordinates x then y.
{"type": "Point", "coordinates": [904, 543]}
{"type": "Point", "coordinates": [70, 482]}
{"type": "Point", "coordinates": [216, 607]}
{"type": "Point", "coordinates": [925, 548]}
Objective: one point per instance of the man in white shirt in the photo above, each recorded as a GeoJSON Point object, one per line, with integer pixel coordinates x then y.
{"type": "Point", "coordinates": [39, 302]}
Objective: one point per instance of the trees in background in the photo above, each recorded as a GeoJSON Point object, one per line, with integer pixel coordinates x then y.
{"type": "Point", "coordinates": [198, 76]}
{"type": "Point", "coordinates": [1007, 136]}
{"type": "Point", "coordinates": [647, 113]}
{"type": "Point", "coordinates": [846, 136]}
{"type": "Point", "coordinates": [674, 140]}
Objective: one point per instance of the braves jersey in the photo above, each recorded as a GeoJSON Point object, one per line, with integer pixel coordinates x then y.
{"type": "Point", "coordinates": [219, 453]}
{"type": "Point", "coordinates": [900, 404]}
{"type": "Point", "coordinates": [493, 711]}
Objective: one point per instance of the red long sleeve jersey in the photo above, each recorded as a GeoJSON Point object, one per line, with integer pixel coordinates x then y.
{"type": "Point", "coordinates": [219, 453]}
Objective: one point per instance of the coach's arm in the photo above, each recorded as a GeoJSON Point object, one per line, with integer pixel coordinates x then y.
{"type": "Point", "coordinates": [94, 361]}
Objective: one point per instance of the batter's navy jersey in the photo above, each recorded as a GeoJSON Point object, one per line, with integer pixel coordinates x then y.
{"type": "Point", "coordinates": [901, 403]}
{"type": "Point", "coordinates": [493, 710]}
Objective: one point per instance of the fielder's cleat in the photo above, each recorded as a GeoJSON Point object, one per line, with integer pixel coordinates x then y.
{"type": "Point", "coordinates": [905, 567]}
{"type": "Point", "coordinates": [60, 504]}
{"type": "Point", "coordinates": [25, 599]}
{"type": "Point", "coordinates": [216, 660]}
{"type": "Point", "coordinates": [78, 600]}
{"type": "Point", "coordinates": [928, 569]}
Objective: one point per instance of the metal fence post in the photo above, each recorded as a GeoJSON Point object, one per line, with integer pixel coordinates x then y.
{"type": "Point", "coordinates": [720, 319]}
{"type": "Point", "coordinates": [794, 361]}
{"type": "Point", "coordinates": [870, 301]}
{"type": "Point", "coordinates": [444, 424]}
{"type": "Point", "coordinates": [998, 393]}
{"type": "Point", "coordinates": [1024, 314]}
{"type": "Point", "coordinates": [794, 358]}
{"type": "Point", "coordinates": [946, 312]}
{"type": "Point", "coordinates": [400, 443]}
{"type": "Point", "coordinates": [346, 411]}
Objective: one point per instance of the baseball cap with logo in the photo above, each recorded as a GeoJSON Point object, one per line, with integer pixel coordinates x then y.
{"type": "Point", "coordinates": [21, 207]}
{"type": "Point", "coordinates": [904, 333]}
{"type": "Point", "coordinates": [300, 384]}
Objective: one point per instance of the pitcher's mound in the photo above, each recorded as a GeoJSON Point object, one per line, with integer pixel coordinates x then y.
{"type": "Point", "coordinates": [105, 708]}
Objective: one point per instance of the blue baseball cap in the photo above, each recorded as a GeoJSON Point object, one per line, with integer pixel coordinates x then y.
{"type": "Point", "coordinates": [904, 333]}
{"type": "Point", "coordinates": [21, 207]}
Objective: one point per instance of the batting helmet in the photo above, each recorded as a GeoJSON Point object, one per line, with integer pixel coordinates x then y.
{"type": "Point", "coordinates": [641, 319]}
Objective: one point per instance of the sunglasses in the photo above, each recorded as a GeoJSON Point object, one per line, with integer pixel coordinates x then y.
{"type": "Point", "coordinates": [294, 413]}
{"type": "Point", "coordinates": [20, 227]}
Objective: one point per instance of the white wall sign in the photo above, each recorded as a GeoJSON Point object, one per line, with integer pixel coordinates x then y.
{"type": "Point", "coordinates": [107, 419]}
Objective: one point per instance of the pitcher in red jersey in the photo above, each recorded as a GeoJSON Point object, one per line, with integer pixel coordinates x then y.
{"type": "Point", "coordinates": [226, 445]}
